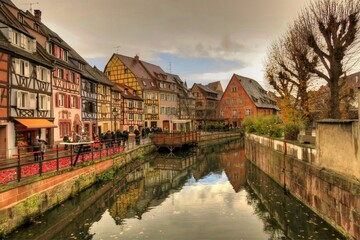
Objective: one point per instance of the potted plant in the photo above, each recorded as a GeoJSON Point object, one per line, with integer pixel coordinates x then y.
{"type": "Point", "coordinates": [291, 131]}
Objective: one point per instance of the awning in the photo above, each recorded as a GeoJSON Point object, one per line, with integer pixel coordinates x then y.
{"type": "Point", "coordinates": [35, 123]}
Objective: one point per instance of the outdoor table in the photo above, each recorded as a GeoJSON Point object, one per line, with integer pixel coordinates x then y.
{"type": "Point", "coordinates": [80, 144]}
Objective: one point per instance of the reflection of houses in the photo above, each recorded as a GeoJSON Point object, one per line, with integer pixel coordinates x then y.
{"type": "Point", "coordinates": [174, 163]}
{"type": "Point", "coordinates": [207, 99]}
{"type": "Point", "coordinates": [244, 97]}
{"type": "Point", "coordinates": [233, 163]}
{"type": "Point", "coordinates": [28, 76]}
{"type": "Point", "coordinates": [149, 185]}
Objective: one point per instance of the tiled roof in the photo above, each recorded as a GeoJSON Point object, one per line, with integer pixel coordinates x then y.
{"type": "Point", "coordinates": [100, 76]}
{"type": "Point", "coordinates": [8, 2]}
{"type": "Point", "coordinates": [216, 86]}
{"type": "Point", "coordinates": [138, 69]}
{"type": "Point", "coordinates": [256, 93]}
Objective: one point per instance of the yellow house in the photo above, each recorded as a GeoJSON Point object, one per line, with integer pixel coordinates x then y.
{"type": "Point", "coordinates": [140, 76]}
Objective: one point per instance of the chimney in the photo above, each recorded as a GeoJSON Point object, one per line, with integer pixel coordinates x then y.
{"type": "Point", "coordinates": [37, 15]}
{"type": "Point", "coordinates": [136, 58]}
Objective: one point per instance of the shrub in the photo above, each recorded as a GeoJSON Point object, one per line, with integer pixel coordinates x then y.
{"type": "Point", "coordinates": [264, 125]}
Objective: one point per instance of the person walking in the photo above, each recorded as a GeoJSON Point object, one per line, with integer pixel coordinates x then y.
{"type": "Point", "coordinates": [42, 149]}
{"type": "Point", "coordinates": [137, 136]}
{"type": "Point", "coordinates": [36, 149]}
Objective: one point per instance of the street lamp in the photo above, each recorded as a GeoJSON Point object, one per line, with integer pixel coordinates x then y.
{"type": "Point", "coordinates": [115, 111]}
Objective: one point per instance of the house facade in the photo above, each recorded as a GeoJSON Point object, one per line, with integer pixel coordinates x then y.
{"type": "Point", "coordinates": [132, 110]}
{"type": "Point", "coordinates": [27, 96]}
{"type": "Point", "coordinates": [206, 104]}
{"type": "Point", "coordinates": [104, 108]}
{"type": "Point", "coordinates": [133, 73]}
{"type": "Point", "coordinates": [244, 97]}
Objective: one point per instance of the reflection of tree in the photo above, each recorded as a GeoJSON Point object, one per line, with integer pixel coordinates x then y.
{"type": "Point", "coordinates": [282, 214]}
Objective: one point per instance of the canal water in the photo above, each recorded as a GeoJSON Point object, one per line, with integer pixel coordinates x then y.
{"type": "Point", "coordinates": [209, 193]}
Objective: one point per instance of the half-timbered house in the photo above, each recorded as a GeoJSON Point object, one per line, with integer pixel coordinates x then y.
{"type": "Point", "coordinates": [131, 109]}
{"type": "Point", "coordinates": [28, 97]}
{"type": "Point", "coordinates": [66, 76]}
{"type": "Point", "coordinates": [105, 113]}
{"type": "Point", "coordinates": [133, 73]}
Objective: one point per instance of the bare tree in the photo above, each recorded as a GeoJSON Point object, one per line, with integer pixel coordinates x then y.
{"type": "Point", "coordinates": [331, 29]}
{"type": "Point", "coordinates": [287, 71]}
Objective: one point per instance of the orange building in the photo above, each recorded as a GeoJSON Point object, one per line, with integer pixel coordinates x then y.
{"type": "Point", "coordinates": [244, 97]}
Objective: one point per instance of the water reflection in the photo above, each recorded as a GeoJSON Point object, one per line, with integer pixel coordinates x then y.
{"type": "Point", "coordinates": [212, 193]}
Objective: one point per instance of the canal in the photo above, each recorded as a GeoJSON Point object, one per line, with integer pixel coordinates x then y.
{"type": "Point", "coordinates": [211, 192]}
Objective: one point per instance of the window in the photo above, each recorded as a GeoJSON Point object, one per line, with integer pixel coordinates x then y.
{"type": "Point", "coordinates": [234, 113]}
{"type": "Point", "coordinates": [72, 77]}
{"type": "Point", "coordinates": [234, 89]}
{"type": "Point", "coordinates": [162, 110]}
{"type": "Point", "coordinates": [26, 100]}
{"type": "Point", "coordinates": [248, 112]}
{"type": "Point", "coordinates": [152, 84]}
{"type": "Point", "coordinates": [139, 117]}
{"type": "Point", "coordinates": [64, 128]}
{"type": "Point", "coordinates": [168, 110]}
{"type": "Point", "coordinates": [73, 102]}
{"type": "Point", "coordinates": [60, 73]}
{"type": "Point", "coordinates": [173, 111]}
{"type": "Point", "coordinates": [222, 113]}
{"type": "Point", "coordinates": [162, 96]}
{"type": "Point", "coordinates": [49, 48]}
{"type": "Point", "coordinates": [22, 67]}
{"type": "Point", "coordinates": [127, 70]}
{"type": "Point", "coordinates": [139, 104]}
{"type": "Point", "coordinates": [131, 104]}
{"type": "Point", "coordinates": [44, 102]}
{"type": "Point", "coordinates": [144, 83]}
{"type": "Point", "coordinates": [131, 116]}
{"type": "Point", "coordinates": [42, 74]}
{"type": "Point", "coordinates": [153, 109]}
{"type": "Point", "coordinates": [62, 100]}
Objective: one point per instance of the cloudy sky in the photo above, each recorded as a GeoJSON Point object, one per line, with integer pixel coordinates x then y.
{"type": "Point", "coordinates": [200, 40]}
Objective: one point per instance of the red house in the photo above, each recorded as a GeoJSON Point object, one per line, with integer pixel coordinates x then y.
{"type": "Point", "coordinates": [244, 97]}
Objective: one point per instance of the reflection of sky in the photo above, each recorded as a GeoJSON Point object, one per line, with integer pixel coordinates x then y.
{"type": "Point", "coordinates": [207, 209]}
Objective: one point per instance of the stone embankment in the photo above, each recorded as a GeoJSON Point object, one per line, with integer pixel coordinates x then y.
{"type": "Point", "coordinates": [332, 195]}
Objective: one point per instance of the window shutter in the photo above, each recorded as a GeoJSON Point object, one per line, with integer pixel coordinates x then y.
{"type": "Point", "coordinates": [38, 72]}
{"type": "Point", "coordinates": [27, 69]}
{"type": "Point", "coordinates": [47, 75]}
{"type": "Point", "coordinates": [55, 72]}
{"type": "Point", "coordinates": [77, 78]}
{"type": "Point", "coordinates": [18, 100]}
{"type": "Point", "coordinates": [48, 103]}
{"type": "Point", "coordinates": [67, 101]}
{"type": "Point", "coordinates": [32, 101]}
{"type": "Point", "coordinates": [17, 66]}
{"type": "Point", "coordinates": [33, 45]}
{"type": "Point", "coordinates": [22, 40]}
{"type": "Point", "coordinates": [10, 35]}
{"type": "Point", "coordinates": [57, 100]}
{"type": "Point", "coordinates": [78, 102]}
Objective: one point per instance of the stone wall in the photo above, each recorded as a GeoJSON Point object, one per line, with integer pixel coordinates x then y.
{"type": "Point", "coordinates": [337, 144]}
{"type": "Point", "coordinates": [333, 196]}
{"type": "Point", "coordinates": [27, 199]}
